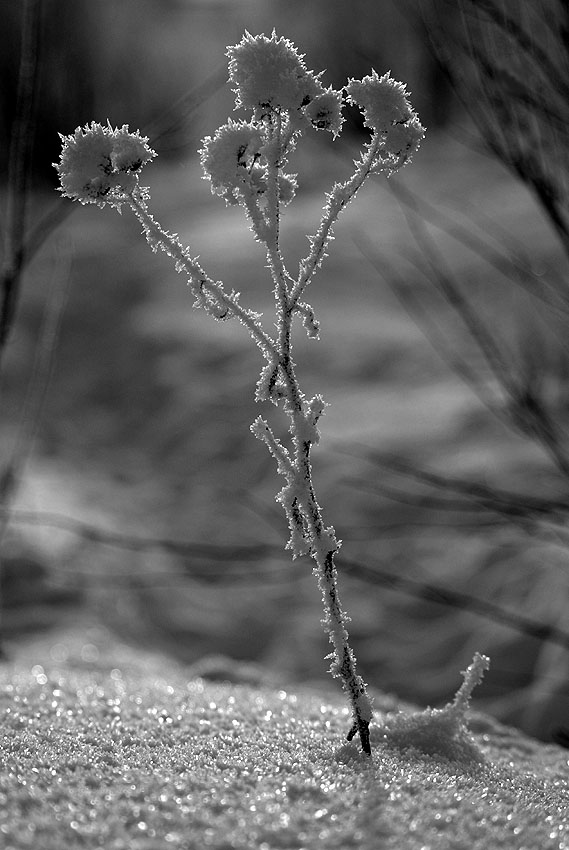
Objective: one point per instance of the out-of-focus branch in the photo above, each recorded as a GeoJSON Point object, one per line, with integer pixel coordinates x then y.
{"type": "Point", "coordinates": [249, 555]}
{"type": "Point", "coordinates": [474, 495]}
{"type": "Point", "coordinates": [512, 263]}
{"type": "Point", "coordinates": [521, 405]}
{"type": "Point", "coordinates": [511, 73]}
{"type": "Point", "coordinates": [18, 169]}
{"type": "Point", "coordinates": [431, 592]}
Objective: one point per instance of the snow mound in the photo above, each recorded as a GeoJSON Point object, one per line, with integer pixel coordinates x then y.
{"type": "Point", "coordinates": [139, 756]}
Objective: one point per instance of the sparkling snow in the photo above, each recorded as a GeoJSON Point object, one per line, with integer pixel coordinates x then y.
{"type": "Point", "coordinates": [131, 752]}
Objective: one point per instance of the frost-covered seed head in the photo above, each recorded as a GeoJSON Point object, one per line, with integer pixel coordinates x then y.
{"type": "Point", "coordinates": [325, 111]}
{"type": "Point", "coordinates": [228, 158]}
{"type": "Point", "coordinates": [269, 73]}
{"type": "Point", "coordinates": [403, 139]}
{"type": "Point", "coordinates": [100, 164]}
{"type": "Point", "coordinates": [389, 114]}
{"type": "Point", "coordinates": [383, 100]}
{"type": "Point", "coordinates": [130, 150]}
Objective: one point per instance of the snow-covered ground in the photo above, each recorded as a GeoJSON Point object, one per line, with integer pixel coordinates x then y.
{"type": "Point", "coordinates": [101, 746]}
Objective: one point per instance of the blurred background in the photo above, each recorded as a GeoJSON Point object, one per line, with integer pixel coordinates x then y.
{"type": "Point", "coordinates": [133, 496]}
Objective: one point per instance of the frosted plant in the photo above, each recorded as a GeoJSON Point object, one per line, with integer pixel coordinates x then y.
{"type": "Point", "coordinates": [245, 162]}
{"type": "Point", "coordinates": [442, 730]}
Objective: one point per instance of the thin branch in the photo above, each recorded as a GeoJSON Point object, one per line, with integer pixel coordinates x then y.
{"type": "Point", "coordinates": [443, 281]}
{"type": "Point", "coordinates": [19, 169]}
{"type": "Point", "coordinates": [480, 496]}
{"type": "Point", "coordinates": [502, 102]}
{"type": "Point", "coordinates": [525, 412]}
{"type": "Point", "coordinates": [431, 592]}
{"type": "Point", "coordinates": [38, 233]}
{"type": "Point", "coordinates": [167, 122]}
{"type": "Point", "coordinates": [409, 300]}
{"type": "Point", "coordinates": [370, 574]}
{"type": "Point", "coordinates": [135, 543]}
{"type": "Point", "coordinates": [512, 264]}
{"type": "Point", "coordinates": [526, 42]}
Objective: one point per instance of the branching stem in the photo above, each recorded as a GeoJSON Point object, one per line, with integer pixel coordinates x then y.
{"type": "Point", "coordinates": [244, 162]}
{"type": "Point", "coordinates": [305, 516]}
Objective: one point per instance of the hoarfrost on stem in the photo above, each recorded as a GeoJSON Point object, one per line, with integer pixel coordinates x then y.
{"type": "Point", "coordinates": [245, 162]}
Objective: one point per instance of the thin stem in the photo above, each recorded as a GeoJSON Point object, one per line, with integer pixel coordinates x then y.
{"type": "Point", "coordinates": [323, 546]}
{"type": "Point", "coordinates": [201, 283]}
{"type": "Point", "coordinates": [304, 513]}
{"type": "Point", "coordinates": [338, 199]}
{"type": "Point", "coordinates": [280, 276]}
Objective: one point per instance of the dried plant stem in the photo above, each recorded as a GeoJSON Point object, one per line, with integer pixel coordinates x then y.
{"type": "Point", "coordinates": [344, 665]}
{"type": "Point", "coordinates": [245, 163]}
{"type": "Point", "coordinates": [338, 199]}
{"type": "Point", "coordinates": [304, 513]}
{"type": "Point", "coordinates": [323, 547]}
{"type": "Point", "coordinates": [221, 304]}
